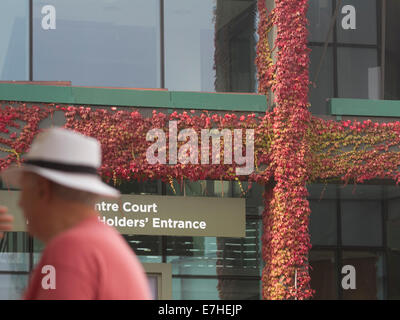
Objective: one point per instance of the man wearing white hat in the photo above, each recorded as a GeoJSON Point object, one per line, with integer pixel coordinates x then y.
{"type": "Point", "coordinates": [59, 187]}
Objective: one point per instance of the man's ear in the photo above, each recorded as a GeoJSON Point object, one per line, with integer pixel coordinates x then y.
{"type": "Point", "coordinates": [44, 189]}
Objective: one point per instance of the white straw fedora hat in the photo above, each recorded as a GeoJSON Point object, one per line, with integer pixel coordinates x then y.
{"type": "Point", "coordinates": [65, 157]}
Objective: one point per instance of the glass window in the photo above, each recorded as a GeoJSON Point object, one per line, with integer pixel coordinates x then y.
{"type": "Point", "coordinates": [392, 50]}
{"type": "Point", "coordinates": [38, 247]}
{"type": "Point", "coordinates": [214, 289]}
{"type": "Point", "coordinates": [241, 256]}
{"type": "Point", "coordinates": [210, 45]}
{"type": "Point", "coordinates": [392, 192]}
{"type": "Point", "coordinates": [149, 187]}
{"type": "Point", "coordinates": [14, 44]}
{"type": "Point", "coordinates": [14, 252]}
{"type": "Point", "coordinates": [358, 73]}
{"type": "Point", "coordinates": [362, 192]}
{"type": "Point", "coordinates": [356, 22]}
{"type": "Point", "coordinates": [217, 256]}
{"type": "Point", "coordinates": [369, 275]}
{"type": "Point", "coordinates": [321, 75]}
{"type": "Point", "coordinates": [323, 222]}
{"type": "Point", "coordinates": [147, 248]}
{"type": "Point", "coordinates": [201, 188]}
{"type": "Point", "coordinates": [393, 274]}
{"type": "Point", "coordinates": [361, 223]}
{"type": "Point", "coordinates": [254, 198]}
{"type": "Point", "coordinates": [323, 275]}
{"type": "Point", "coordinates": [97, 42]}
{"type": "Point", "coordinates": [393, 225]}
{"type": "Point", "coordinates": [12, 286]}
{"type": "Point", "coordinates": [319, 15]}
{"type": "Point", "coordinates": [321, 191]}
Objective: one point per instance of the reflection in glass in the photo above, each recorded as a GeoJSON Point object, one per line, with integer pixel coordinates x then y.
{"type": "Point", "coordinates": [210, 45]}
{"type": "Point", "coordinates": [358, 73]}
{"type": "Point", "coordinates": [363, 192]}
{"type": "Point", "coordinates": [254, 197]}
{"type": "Point", "coordinates": [365, 31]}
{"type": "Point", "coordinates": [393, 253]}
{"type": "Point", "coordinates": [323, 222]}
{"type": "Point", "coordinates": [14, 252]}
{"type": "Point", "coordinates": [391, 192]}
{"type": "Point", "coordinates": [12, 286]}
{"type": "Point", "coordinates": [147, 248]}
{"type": "Point", "coordinates": [361, 223]}
{"type": "Point", "coordinates": [209, 289]}
{"type": "Point", "coordinates": [148, 187]}
{"type": "Point", "coordinates": [392, 51]}
{"type": "Point", "coordinates": [199, 188]}
{"type": "Point", "coordinates": [321, 191]}
{"type": "Point", "coordinates": [393, 225]}
{"type": "Point", "coordinates": [14, 44]}
{"type": "Point", "coordinates": [98, 43]}
{"type": "Point", "coordinates": [323, 274]}
{"type": "Point", "coordinates": [323, 77]}
{"type": "Point", "coordinates": [393, 274]}
{"type": "Point", "coordinates": [217, 256]}
{"type": "Point", "coordinates": [319, 16]}
{"type": "Point", "coordinates": [369, 275]}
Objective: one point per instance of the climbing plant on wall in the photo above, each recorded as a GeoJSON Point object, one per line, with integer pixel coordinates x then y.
{"type": "Point", "coordinates": [292, 148]}
{"type": "Point", "coordinates": [305, 148]}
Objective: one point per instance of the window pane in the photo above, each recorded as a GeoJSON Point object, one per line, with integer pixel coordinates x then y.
{"type": "Point", "coordinates": [254, 198]}
{"type": "Point", "coordinates": [362, 192]}
{"type": "Point", "coordinates": [214, 289]}
{"type": "Point", "coordinates": [323, 222]}
{"type": "Point", "coordinates": [217, 256]}
{"type": "Point", "coordinates": [393, 225]}
{"type": "Point", "coordinates": [323, 275]}
{"type": "Point", "coordinates": [149, 187]}
{"type": "Point", "coordinates": [393, 274]}
{"type": "Point", "coordinates": [38, 248]}
{"type": "Point", "coordinates": [358, 73]}
{"type": "Point", "coordinates": [319, 16]}
{"type": "Point", "coordinates": [322, 77]}
{"type": "Point", "coordinates": [210, 45]}
{"type": "Point", "coordinates": [392, 191]}
{"type": "Point", "coordinates": [147, 248]}
{"type": "Point", "coordinates": [196, 188]}
{"type": "Point", "coordinates": [98, 42]}
{"type": "Point", "coordinates": [361, 223]}
{"type": "Point", "coordinates": [14, 252]}
{"type": "Point", "coordinates": [14, 44]}
{"type": "Point", "coordinates": [392, 51]}
{"type": "Point", "coordinates": [321, 191]}
{"type": "Point", "coordinates": [369, 275]}
{"type": "Point", "coordinates": [12, 286]}
{"type": "Point", "coordinates": [356, 22]}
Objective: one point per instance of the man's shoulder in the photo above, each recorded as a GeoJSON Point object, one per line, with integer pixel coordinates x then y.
{"type": "Point", "coordinates": [89, 234]}
{"type": "Point", "coordinates": [93, 243]}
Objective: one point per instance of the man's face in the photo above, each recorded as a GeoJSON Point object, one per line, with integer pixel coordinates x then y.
{"type": "Point", "coordinates": [31, 201]}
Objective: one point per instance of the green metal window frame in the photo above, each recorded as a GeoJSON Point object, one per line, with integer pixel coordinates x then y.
{"type": "Point", "coordinates": [157, 98]}
{"type": "Point", "coordinates": [364, 107]}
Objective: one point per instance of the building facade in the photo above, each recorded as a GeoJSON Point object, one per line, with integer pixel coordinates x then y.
{"type": "Point", "coordinates": [209, 46]}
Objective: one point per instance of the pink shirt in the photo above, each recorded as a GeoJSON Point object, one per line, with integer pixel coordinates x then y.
{"type": "Point", "coordinates": [91, 261]}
